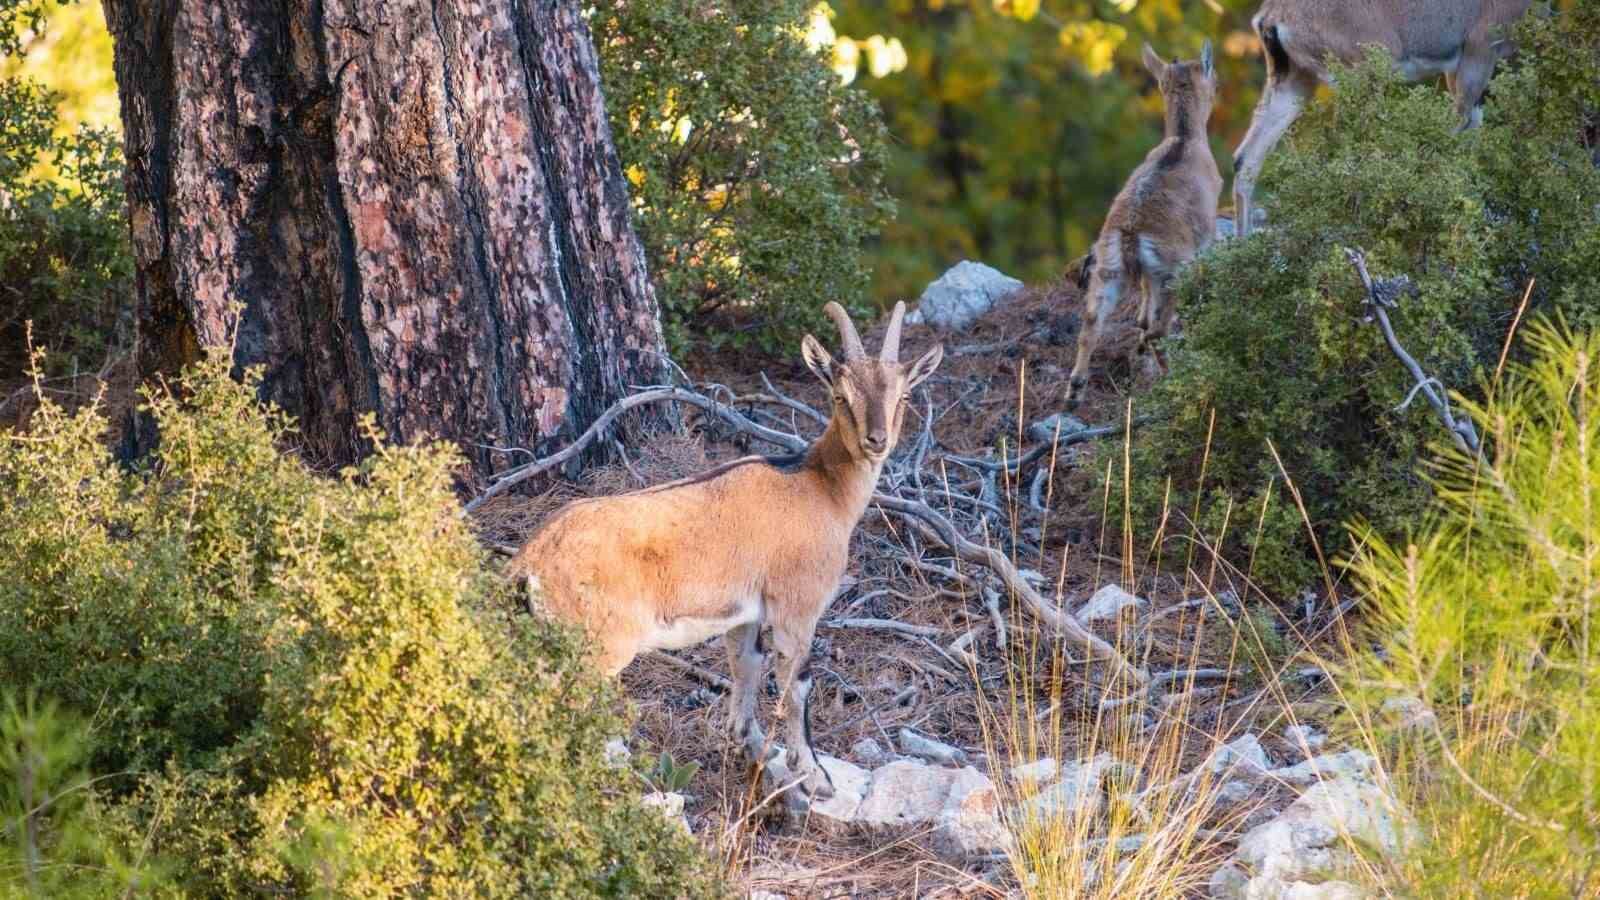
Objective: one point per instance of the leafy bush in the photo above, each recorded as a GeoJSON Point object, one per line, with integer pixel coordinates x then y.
{"type": "Point", "coordinates": [1488, 616]}
{"type": "Point", "coordinates": [65, 261]}
{"type": "Point", "coordinates": [756, 174]}
{"type": "Point", "coordinates": [1275, 343]}
{"type": "Point", "coordinates": [54, 841]}
{"type": "Point", "coordinates": [316, 682]}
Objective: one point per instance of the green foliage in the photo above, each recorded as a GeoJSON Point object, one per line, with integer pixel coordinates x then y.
{"type": "Point", "coordinates": [317, 683]}
{"type": "Point", "coordinates": [670, 775]}
{"type": "Point", "coordinates": [1275, 343]}
{"type": "Point", "coordinates": [1487, 614]}
{"type": "Point", "coordinates": [756, 175]}
{"type": "Point", "coordinates": [65, 262]}
{"type": "Point", "coordinates": [53, 840]}
{"type": "Point", "coordinates": [1016, 122]}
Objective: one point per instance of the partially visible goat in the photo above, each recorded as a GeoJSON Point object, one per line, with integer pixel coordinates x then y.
{"type": "Point", "coordinates": [1459, 39]}
{"type": "Point", "coordinates": [755, 542]}
{"type": "Point", "coordinates": [1163, 217]}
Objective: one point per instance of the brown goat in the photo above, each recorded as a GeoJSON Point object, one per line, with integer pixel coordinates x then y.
{"type": "Point", "coordinates": [1163, 217]}
{"type": "Point", "coordinates": [754, 542]}
{"type": "Point", "coordinates": [1459, 39]}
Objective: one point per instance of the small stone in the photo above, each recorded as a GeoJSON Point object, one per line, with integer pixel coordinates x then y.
{"type": "Point", "coordinates": [1410, 713]}
{"type": "Point", "coordinates": [616, 753]}
{"type": "Point", "coordinates": [868, 752]}
{"type": "Point", "coordinates": [671, 806]}
{"type": "Point", "coordinates": [1076, 792]}
{"type": "Point", "coordinates": [1349, 764]}
{"type": "Point", "coordinates": [962, 295]}
{"type": "Point", "coordinates": [1243, 755]}
{"type": "Point", "coordinates": [1304, 737]}
{"type": "Point", "coordinates": [1109, 603]}
{"type": "Point", "coordinates": [850, 785]}
{"type": "Point", "coordinates": [766, 895]}
{"type": "Point", "coordinates": [1044, 431]}
{"type": "Point", "coordinates": [913, 744]}
{"type": "Point", "coordinates": [1037, 772]}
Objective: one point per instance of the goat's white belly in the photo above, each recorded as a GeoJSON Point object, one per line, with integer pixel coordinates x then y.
{"type": "Point", "coordinates": [687, 631]}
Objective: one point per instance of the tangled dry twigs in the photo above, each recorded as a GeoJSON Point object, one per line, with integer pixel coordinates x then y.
{"type": "Point", "coordinates": [905, 494]}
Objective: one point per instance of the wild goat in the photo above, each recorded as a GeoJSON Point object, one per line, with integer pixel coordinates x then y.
{"type": "Point", "coordinates": [1459, 39]}
{"type": "Point", "coordinates": [1164, 216]}
{"type": "Point", "coordinates": [754, 542]}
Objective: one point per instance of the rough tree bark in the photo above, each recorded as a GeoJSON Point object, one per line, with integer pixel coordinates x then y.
{"type": "Point", "coordinates": [417, 203]}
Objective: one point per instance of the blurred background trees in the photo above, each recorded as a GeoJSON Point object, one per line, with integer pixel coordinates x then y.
{"type": "Point", "coordinates": [1014, 122]}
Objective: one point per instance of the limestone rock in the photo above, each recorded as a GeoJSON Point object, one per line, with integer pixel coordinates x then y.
{"type": "Point", "coordinates": [904, 793]}
{"type": "Point", "coordinates": [962, 295]}
{"type": "Point", "coordinates": [671, 805]}
{"type": "Point", "coordinates": [869, 752]}
{"type": "Point", "coordinates": [1349, 764]}
{"type": "Point", "coordinates": [1077, 792]}
{"type": "Point", "coordinates": [969, 823]}
{"type": "Point", "coordinates": [938, 752]}
{"type": "Point", "coordinates": [1037, 772]}
{"type": "Point", "coordinates": [1108, 603]}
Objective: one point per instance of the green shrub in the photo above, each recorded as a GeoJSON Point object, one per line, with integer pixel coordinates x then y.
{"type": "Point", "coordinates": [1488, 615]}
{"type": "Point", "coordinates": [1274, 339]}
{"type": "Point", "coordinates": [65, 261]}
{"type": "Point", "coordinates": [756, 175]}
{"type": "Point", "coordinates": [54, 841]}
{"type": "Point", "coordinates": [316, 682]}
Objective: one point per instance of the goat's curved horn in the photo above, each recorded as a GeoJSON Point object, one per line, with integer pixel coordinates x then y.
{"type": "Point", "coordinates": [847, 331]}
{"type": "Point", "coordinates": [891, 338]}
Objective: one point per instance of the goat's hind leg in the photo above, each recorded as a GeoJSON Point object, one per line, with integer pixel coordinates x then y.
{"type": "Point", "coordinates": [747, 661]}
{"type": "Point", "coordinates": [1105, 291]}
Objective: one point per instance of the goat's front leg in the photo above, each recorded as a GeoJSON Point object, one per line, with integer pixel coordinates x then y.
{"type": "Point", "coordinates": [747, 660]}
{"type": "Point", "coordinates": [794, 673]}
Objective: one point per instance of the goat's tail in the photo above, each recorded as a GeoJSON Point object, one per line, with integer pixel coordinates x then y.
{"type": "Point", "coordinates": [1277, 55]}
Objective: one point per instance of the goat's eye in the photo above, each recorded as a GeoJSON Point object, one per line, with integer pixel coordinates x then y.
{"type": "Point", "coordinates": [839, 399]}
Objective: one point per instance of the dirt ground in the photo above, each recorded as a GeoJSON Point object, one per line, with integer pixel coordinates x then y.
{"type": "Point", "coordinates": [1009, 370]}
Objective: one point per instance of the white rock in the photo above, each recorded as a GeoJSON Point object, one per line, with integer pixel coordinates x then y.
{"type": "Point", "coordinates": [1044, 430]}
{"type": "Point", "coordinates": [1408, 712]}
{"type": "Point", "coordinates": [1349, 764]}
{"type": "Point", "coordinates": [616, 753]}
{"type": "Point", "coordinates": [1326, 890]}
{"type": "Point", "coordinates": [1077, 792]}
{"type": "Point", "coordinates": [962, 295]}
{"type": "Point", "coordinates": [1037, 772]}
{"type": "Point", "coordinates": [766, 895]}
{"type": "Point", "coordinates": [671, 806]}
{"type": "Point", "coordinates": [913, 744]}
{"type": "Point", "coordinates": [1243, 756]}
{"type": "Point", "coordinates": [903, 793]}
{"type": "Point", "coordinates": [868, 752]}
{"type": "Point", "coordinates": [1305, 848]}
{"type": "Point", "coordinates": [1305, 737]}
{"type": "Point", "coordinates": [969, 823]}
{"type": "Point", "coordinates": [1108, 603]}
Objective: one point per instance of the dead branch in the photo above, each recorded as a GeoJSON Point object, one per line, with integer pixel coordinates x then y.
{"type": "Point", "coordinates": [1382, 296]}
{"type": "Point", "coordinates": [706, 675]}
{"type": "Point", "coordinates": [905, 628]}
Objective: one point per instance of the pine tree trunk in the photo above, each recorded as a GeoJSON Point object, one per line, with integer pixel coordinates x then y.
{"type": "Point", "coordinates": [418, 206]}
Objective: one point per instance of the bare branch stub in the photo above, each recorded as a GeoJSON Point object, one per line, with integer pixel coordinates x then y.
{"type": "Point", "coordinates": [1383, 295]}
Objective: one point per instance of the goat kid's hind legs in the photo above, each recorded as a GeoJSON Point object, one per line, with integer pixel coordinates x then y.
{"type": "Point", "coordinates": [747, 661]}
{"type": "Point", "coordinates": [795, 675]}
{"type": "Point", "coordinates": [1105, 290]}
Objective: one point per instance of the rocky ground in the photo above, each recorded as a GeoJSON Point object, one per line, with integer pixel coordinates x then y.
{"type": "Point", "coordinates": [957, 737]}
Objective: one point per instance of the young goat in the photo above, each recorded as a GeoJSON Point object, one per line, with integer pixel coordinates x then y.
{"type": "Point", "coordinates": [755, 542]}
{"type": "Point", "coordinates": [1459, 39]}
{"type": "Point", "coordinates": [1163, 217]}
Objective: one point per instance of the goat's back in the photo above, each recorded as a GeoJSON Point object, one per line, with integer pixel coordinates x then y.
{"type": "Point", "coordinates": [1426, 36]}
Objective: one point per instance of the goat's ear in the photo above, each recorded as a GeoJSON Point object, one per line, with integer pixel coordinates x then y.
{"type": "Point", "coordinates": [924, 367]}
{"type": "Point", "coordinates": [817, 359]}
{"type": "Point", "coordinates": [1154, 62]}
{"type": "Point", "coordinates": [1207, 60]}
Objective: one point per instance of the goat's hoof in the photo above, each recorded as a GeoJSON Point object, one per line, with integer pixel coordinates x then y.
{"type": "Point", "coordinates": [817, 786]}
